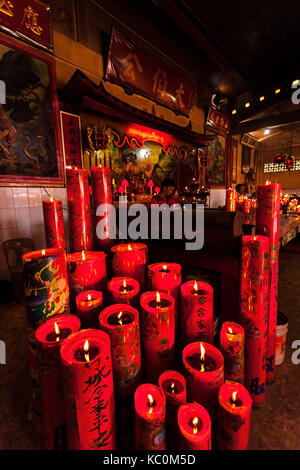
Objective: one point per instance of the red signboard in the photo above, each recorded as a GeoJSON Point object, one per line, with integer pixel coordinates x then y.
{"type": "Point", "coordinates": [131, 66]}
{"type": "Point", "coordinates": [218, 120]}
{"type": "Point", "coordinates": [71, 137]}
{"type": "Point", "coordinates": [28, 19]}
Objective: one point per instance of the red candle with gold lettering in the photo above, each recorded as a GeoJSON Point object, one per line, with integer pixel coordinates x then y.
{"type": "Point", "coordinates": [232, 343]}
{"type": "Point", "coordinates": [54, 224]}
{"type": "Point", "coordinates": [233, 417]}
{"type": "Point", "coordinates": [173, 385]}
{"type": "Point", "coordinates": [50, 336]}
{"type": "Point", "coordinates": [267, 223]}
{"type": "Point", "coordinates": [231, 200]}
{"type": "Point", "coordinates": [89, 400]}
{"type": "Point", "coordinates": [129, 260]}
{"type": "Point", "coordinates": [157, 333]}
{"type": "Point", "coordinates": [88, 307]}
{"type": "Point", "coordinates": [124, 290]}
{"type": "Point", "coordinates": [196, 312]}
{"type": "Point", "coordinates": [150, 418]}
{"type": "Point", "coordinates": [204, 371]}
{"type": "Point", "coordinates": [102, 196]}
{"type": "Point", "coordinates": [195, 427]}
{"type": "Point", "coordinates": [80, 216]}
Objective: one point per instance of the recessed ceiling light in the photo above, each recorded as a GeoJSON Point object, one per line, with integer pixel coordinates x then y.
{"type": "Point", "coordinates": [267, 131]}
{"type": "Point", "coordinates": [261, 98]}
{"type": "Point", "coordinates": [247, 105]}
{"type": "Point", "coordinates": [296, 82]}
{"type": "Point", "coordinates": [233, 111]}
{"type": "Point", "coordinates": [277, 91]}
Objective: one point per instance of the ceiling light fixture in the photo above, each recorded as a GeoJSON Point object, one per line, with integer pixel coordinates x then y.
{"type": "Point", "coordinates": [247, 105]}
{"type": "Point", "coordinates": [261, 98]}
{"type": "Point", "coordinates": [267, 131]}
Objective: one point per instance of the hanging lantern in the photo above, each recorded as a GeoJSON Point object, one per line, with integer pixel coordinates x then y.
{"type": "Point", "coordinates": [280, 158]}
{"type": "Point", "coordinates": [289, 162]}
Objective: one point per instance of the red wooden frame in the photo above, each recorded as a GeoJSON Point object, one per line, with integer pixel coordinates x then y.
{"type": "Point", "coordinates": [15, 180]}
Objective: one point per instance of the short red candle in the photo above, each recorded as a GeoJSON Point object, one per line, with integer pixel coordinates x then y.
{"type": "Point", "coordinates": [80, 216]}
{"type": "Point", "coordinates": [267, 223]}
{"type": "Point", "coordinates": [50, 379]}
{"type": "Point", "coordinates": [231, 200]}
{"type": "Point", "coordinates": [233, 417]}
{"type": "Point", "coordinates": [54, 224]}
{"type": "Point", "coordinates": [46, 284]}
{"type": "Point", "coordinates": [88, 307]}
{"type": "Point", "coordinates": [232, 341]}
{"type": "Point", "coordinates": [86, 271]}
{"type": "Point", "coordinates": [173, 385]}
{"type": "Point", "coordinates": [195, 427]}
{"type": "Point", "coordinates": [150, 421]}
{"type": "Point", "coordinates": [157, 334]}
{"type": "Point", "coordinates": [254, 298]}
{"type": "Point", "coordinates": [101, 195]}
{"type": "Point", "coordinates": [129, 260]}
{"type": "Point", "coordinates": [203, 386]}
{"type": "Point", "coordinates": [88, 391]}
{"type": "Point", "coordinates": [196, 312]}
{"type": "Point", "coordinates": [124, 290]}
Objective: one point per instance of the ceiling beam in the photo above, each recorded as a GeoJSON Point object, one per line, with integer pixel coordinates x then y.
{"type": "Point", "coordinates": [268, 121]}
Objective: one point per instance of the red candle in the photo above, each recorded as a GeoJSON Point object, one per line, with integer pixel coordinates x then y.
{"type": "Point", "coordinates": [124, 290]}
{"type": "Point", "coordinates": [204, 372]}
{"type": "Point", "coordinates": [231, 200]}
{"type": "Point", "coordinates": [232, 340]}
{"type": "Point", "coordinates": [267, 223]}
{"type": "Point", "coordinates": [54, 224]}
{"type": "Point", "coordinates": [157, 333]}
{"type": "Point", "coordinates": [88, 307]}
{"type": "Point", "coordinates": [80, 217]}
{"type": "Point", "coordinates": [46, 284]}
{"type": "Point", "coordinates": [88, 391]}
{"type": "Point", "coordinates": [195, 427]}
{"type": "Point", "coordinates": [102, 195]}
{"type": "Point", "coordinates": [150, 418]}
{"type": "Point", "coordinates": [246, 206]}
{"type": "Point", "coordinates": [49, 337]}
{"type": "Point", "coordinates": [86, 271]}
{"type": "Point", "coordinates": [196, 312]}
{"type": "Point", "coordinates": [129, 260]}
{"type": "Point", "coordinates": [233, 417]}
{"type": "Point", "coordinates": [173, 385]}
{"type": "Point", "coordinates": [254, 311]}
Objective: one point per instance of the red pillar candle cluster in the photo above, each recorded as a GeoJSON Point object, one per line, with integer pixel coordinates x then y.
{"type": "Point", "coordinates": [124, 290]}
{"type": "Point", "coordinates": [173, 385]}
{"type": "Point", "coordinates": [254, 311]}
{"type": "Point", "coordinates": [101, 195]}
{"type": "Point", "coordinates": [204, 372]}
{"type": "Point", "coordinates": [86, 271]}
{"type": "Point", "coordinates": [150, 418]}
{"type": "Point", "coordinates": [88, 391]}
{"type": "Point", "coordinates": [196, 312]}
{"type": "Point", "coordinates": [233, 417]}
{"type": "Point", "coordinates": [80, 216]}
{"type": "Point", "coordinates": [232, 341]}
{"type": "Point", "coordinates": [195, 427]}
{"type": "Point", "coordinates": [157, 333]}
{"type": "Point", "coordinates": [129, 260]}
{"type": "Point", "coordinates": [267, 223]}
{"type": "Point", "coordinates": [231, 200]}
{"type": "Point", "coordinates": [46, 284]}
{"type": "Point", "coordinates": [50, 336]}
{"type": "Point", "coordinates": [88, 307]}
{"type": "Point", "coordinates": [54, 224]}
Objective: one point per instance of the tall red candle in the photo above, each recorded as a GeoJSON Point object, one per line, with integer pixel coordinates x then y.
{"type": "Point", "coordinates": [254, 311]}
{"type": "Point", "coordinates": [246, 206]}
{"type": "Point", "coordinates": [124, 290]}
{"type": "Point", "coordinates": [157, 333]}
{"type": "Point", "coordinates": [50, 336]}
{"type": "Point", "coordinates": [231, 200]}
{"type": "Point", "coordinates": [267, 223]}
{"type": "Point", "coordinates": [204, 372]}
{"type": "Point", "coordinates": [54, 224]}
{"type": "Point", "coordinates": [80, 217]}
{"type": "Point", "coordinates": [233, 417]}
{"type": "Point", "coordinates": [88, 391]}
{"type": "Point", "coordinates": [232, 341]}
{"type": "Point", "coordinates": [101, 195]}
{"type": "Point", "coordinates": [173, 385]}
{"type": "Point", "coordinates": [129, 260]}
{"type": "Point", "coordinates": [196, 312]}
{"type": "Point", "coordinates": [150, 418]}
{"type": "Point", "coordinates": [88, 307]}
{"type": "Point", "coordinates": [195, 427]}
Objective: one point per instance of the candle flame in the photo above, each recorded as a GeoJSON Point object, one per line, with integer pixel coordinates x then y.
{"type": "Point", "coordinates": [172, 387]}
{"type": "Point", "coordinates": [56, 328]}
{"type": "Point", "coordinates": [164, 267]}
{"type": "Point", "coordinates": [234, 396]}
{"type": "Point", "coordinates": [150, 403]}
{"type": "Point", "coordinates": [83, 255]}
{"type": "Point", "coordinates": [195, 425]}
{"type": "Point", "coordinates": [120, 317]}
{"type": "Point", "coordinates": [202, 352]}
{"type": "Point", "coordinates": [89, 297]}
{"type": "Point", "coordinates": [51, 198]}
{"type": "Point", "coordinates": [157, 298]}
{"type": "Point", "coordinates": [43, 252]}
{"type": "Point", "coordinates": [230, 330]}
{"type": "Point", "coordinates": [124, 283]}
{"type": "Point", "coordinates": [86, 350]}
{"type": "Point", "coordinates": [195, 286]}
{"type": "Point", "coordinates": [129, 248]}
{"type": "Point", "coordinates": [268, 182]}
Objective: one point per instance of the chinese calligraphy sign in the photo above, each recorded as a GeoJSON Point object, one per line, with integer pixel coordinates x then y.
{"type": "Point", "coordinates": [218, 120]}
{"type": "Point", "coordinates": [71, 139]}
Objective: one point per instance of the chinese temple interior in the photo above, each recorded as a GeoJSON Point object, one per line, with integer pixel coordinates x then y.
{"type": "Point", "coordinates": [118, 332]}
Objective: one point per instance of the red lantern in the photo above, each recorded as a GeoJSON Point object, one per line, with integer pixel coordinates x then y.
{"type": "Point", "coordinates": [289, 162]}
{"type": "Point", "coordinates": [102, 195]}
{"type": "Point", "coordinates": [54, 224]}
{"type": "Point", "coordinates": [195, 427]}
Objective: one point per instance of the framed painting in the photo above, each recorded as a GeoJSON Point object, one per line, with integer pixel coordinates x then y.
{"type": "Point", "coordinates": [216, 169]}
{"type": "Point", "coordinates": [30, 143]}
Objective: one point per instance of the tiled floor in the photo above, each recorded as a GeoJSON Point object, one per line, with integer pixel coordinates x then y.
{"type": "Point", "coordinates": [276, 425]}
